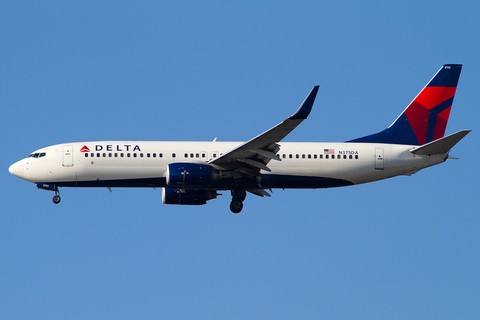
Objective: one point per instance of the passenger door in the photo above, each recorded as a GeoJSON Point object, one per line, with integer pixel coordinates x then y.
{"type": "Point", "coordinates": [67, 156]}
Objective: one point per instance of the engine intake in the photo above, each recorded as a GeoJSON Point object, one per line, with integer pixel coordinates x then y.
{"type": "Point", "coordinates": [187, 196]}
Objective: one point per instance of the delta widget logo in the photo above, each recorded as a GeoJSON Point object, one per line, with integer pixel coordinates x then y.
{"type": "Point", "coordinates": [84, 149]}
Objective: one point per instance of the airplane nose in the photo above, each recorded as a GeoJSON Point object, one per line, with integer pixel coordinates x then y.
{"type": "Point", "coordinates": [16, 169]}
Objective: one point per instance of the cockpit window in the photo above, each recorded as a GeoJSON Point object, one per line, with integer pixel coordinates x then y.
{"type": "Point", "coordinates": [37, 155]}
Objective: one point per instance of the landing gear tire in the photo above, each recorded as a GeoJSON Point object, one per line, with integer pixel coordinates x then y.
{"type": "Point", "coordinates": [236, 206]}
{"type": "Point", "coordinates": [56, 199]}
{"type": "Point", "coordinates": [239, 194]}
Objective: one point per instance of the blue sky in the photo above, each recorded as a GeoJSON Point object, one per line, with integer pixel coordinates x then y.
{"type": "Point", "coordinates": [406, 247]}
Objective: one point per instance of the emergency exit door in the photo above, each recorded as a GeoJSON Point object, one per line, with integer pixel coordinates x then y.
{"type": "Point", "coordinates": [67, 156]}
{"type": "Point", "coordinates": [379, 161]}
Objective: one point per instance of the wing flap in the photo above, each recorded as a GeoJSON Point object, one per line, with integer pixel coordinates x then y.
{"type": "Point", "coordinates": [266, 154]}
{"type": "Point", "coordinates": [260, 192]}
{"type": "Point", "coordinates": [256, 164]}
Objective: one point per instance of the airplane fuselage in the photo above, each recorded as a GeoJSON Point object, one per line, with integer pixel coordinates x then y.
{"type": "Point", "coordinates": [144, 163]}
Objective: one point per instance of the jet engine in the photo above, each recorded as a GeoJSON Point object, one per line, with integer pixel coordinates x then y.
{"type": "Point", "coordinates": [190, 175]}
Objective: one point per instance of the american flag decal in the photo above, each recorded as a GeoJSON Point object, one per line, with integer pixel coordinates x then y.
{"type": "Point", "coordinates": [329, 151]}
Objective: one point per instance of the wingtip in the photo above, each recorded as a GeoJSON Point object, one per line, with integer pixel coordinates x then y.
{"type": "Point", "coordinates": [306, 107]}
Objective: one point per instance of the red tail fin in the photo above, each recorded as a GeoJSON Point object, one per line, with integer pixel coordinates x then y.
{"type": "Point", "coordinates": [425, 119]}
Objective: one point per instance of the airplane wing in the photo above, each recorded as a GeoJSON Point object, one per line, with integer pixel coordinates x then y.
{"type": "Point", "coordinates": [255, 154]}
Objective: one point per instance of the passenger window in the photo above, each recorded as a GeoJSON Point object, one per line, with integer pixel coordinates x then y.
{"type": "Point", "coordinates": [86, 155]}
{"type": "Point", "coordinates": [160, 155]}
{"type": "Point", "coordinates": [128, 155]}
{"type": "Point", "coordinates": [135, 155]}
{"type": "Point", "coordinates": [154, 155]}
{"type": "Point", "coordinates": [297, 156]}
{"type": "Point", "coordinates": [173, 155]}
{"type": "Point", "coordinates": [350, 157]}
{"type": "Point", "coordinates": [116, 155]}
{"type": "Point", "coordinates": [203, 155]}
{"type": "Point", "coordinates": [121, 155]}
{"type": "Point", "coordinates": [109, 155]}
{"type": "Point", "coordinates": [356, 156]}
{"type": "Point", "coordinates": [284, 156]}
{"type": "Point", "coordinates": [290, 156]}
{"type": "Point", "coordinates": [104, 155]}
{"type": "Point", "coordinates": [98, 155]}
{"type": "Point", "coordinates": [148, 155]}
{"type": "Point", "coordinates": [141, 155]}
{"type": "Point", "coordinates": [309, 156]}
{"type": "Point", "coordinates": [303, 156]}
{"type": "Point", "coordinates": [314, 156]}
{"type": "Point", "coordinates": [197, 155]}
{"type": "Point", "coordinates": [344, 156]}
{"type": "Point", "coordinates": [321, 156]}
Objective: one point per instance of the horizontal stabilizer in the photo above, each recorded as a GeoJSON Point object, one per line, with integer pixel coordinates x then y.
{"type": "Point", "coordinates": [442, 145]}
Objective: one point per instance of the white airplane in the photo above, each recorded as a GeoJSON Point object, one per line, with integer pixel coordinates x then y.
{"type": "Point", "coordinates": [191, 173]}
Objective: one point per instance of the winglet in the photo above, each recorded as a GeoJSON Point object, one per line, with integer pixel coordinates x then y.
{"type": "Point", "coordinates": [306, 107]}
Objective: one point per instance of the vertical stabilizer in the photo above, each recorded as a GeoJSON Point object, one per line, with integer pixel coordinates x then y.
{"type": "Point", "coordinates": [425, 119]}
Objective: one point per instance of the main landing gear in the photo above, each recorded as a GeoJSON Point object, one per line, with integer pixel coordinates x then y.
{"type": "Point", "coordinates": [238, 195]}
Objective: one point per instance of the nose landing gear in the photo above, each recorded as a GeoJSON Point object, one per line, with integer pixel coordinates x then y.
{"type": "Point", "coordinates": [50, 187]}
{"type": "Point", "coordinates": [56, 198]}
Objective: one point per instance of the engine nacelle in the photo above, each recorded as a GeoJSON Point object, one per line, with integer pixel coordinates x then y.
{"type": "Point", "coordinates": [187, 196]}
{"type": "Point", "coordinates": [190, 175]}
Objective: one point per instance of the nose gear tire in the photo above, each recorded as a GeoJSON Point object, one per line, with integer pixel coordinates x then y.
{"type": "Point", "coordinates": [56, 199]}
